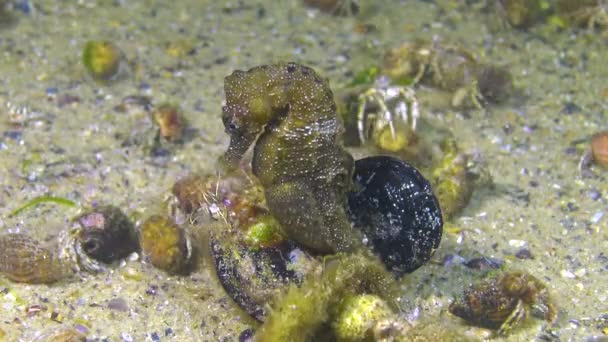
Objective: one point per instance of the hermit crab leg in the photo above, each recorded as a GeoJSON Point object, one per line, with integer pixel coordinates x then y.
{"type": "Point", "coordinates": [362, 117]}
{"type": "Point", "coordinates": [412, 111]}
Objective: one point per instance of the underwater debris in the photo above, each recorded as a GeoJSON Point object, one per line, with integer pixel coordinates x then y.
{"type": "Point", "coordinates": [502, 302]}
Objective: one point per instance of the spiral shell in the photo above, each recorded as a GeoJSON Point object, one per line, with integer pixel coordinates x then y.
{"type": "Point", "coordinates": [25, 260]}
{"type": "Point", "coordinates": [106, 234]}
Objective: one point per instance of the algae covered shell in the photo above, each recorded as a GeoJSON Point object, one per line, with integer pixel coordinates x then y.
{"type": "Point", "coordinates": [105, 234]}
{"type": "Point", "coordinates": [165, 244]}
{"type": "Point", "coordinates": [394, 206]}
{"type": "Point", "coordinates": [358, 315]}
{"type": "Point", "coordinates": [254, 277]}
{"type": "Point", "coordinates": [503, 301]}
{"type": "Point", "coordinates": [25, 260]}
{"type": "Point", "coordinates": [102, 59]}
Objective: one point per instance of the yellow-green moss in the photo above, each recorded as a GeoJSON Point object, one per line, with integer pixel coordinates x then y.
{"type": "Point", "coordinates": [357, 315]}
{"type": "Point", "coordinates": [304, 312]}
{"type": "Point", "coordinates": [264, 232]}
{"type": "Point", "coordinates": [165, 244]}
{"type": "Point", "coordinates": [451, 183]}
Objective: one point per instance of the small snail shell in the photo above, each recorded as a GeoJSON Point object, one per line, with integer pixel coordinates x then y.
{"type": "Point", "coordinates": [599, 148]}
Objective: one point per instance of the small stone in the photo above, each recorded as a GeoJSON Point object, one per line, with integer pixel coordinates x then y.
{"type": "Point", "coordinates": [517, 243]}
{"type": "Point", "coordinates": [118, 304]}
{"type": "Point", "coordinates": [594, 194]}
{"type": "Point", "coordinates": [597, 217]}
{"type": "Point", "coordinates": [57, 317]}
{"type": "Point", "coordinates": [152, 290]}
{"type": "Point", "coordinates": [524, 253]}
{"type": "Point", "coordinates": [570, 108]}
{"type": "Point", "coordinates": [126, 337]}
{"type": "Point", "coordinates": [567, 274]}
{"type": "Point", "coordinates": [483, 263]}
{"type": "Point", "coordinates": [246, 335]}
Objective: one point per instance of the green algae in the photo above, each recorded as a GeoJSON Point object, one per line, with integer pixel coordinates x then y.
{"type": "Point", "coordinates": [43, 199]}
{"type": "Point", "coordinates": [302, 313]}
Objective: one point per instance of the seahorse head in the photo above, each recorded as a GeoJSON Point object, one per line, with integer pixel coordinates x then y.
{"type": "Point", "coordinates": [253, 99]}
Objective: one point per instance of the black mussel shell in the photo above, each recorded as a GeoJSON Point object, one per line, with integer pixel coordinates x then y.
{"type": "Point", "coordinates": [394, 206]}
{"type": "Point", "coordinates": [106, 234]}
{"type": "Point", "coordinates": [252, 278]}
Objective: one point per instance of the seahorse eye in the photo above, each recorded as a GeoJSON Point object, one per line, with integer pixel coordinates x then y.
{"type": "Point", "coordinates": [232, 127]}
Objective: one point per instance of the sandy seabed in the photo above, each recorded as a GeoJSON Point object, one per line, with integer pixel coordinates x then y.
{"type": "Point", "coordinates": [60, 135]}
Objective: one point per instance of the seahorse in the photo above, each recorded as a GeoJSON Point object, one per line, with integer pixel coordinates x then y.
{"type": "Point", "coordinates": [288, 111]}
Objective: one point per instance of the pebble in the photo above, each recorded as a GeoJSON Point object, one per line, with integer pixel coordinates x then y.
{"type": "Point", "coordinates": [483, 263]}
{"type": "Point", "coordinates": [594, 194]}
{"type": "Point", "coordinates": [580, 272]}
{"type": "Point", "coordinates": [246, 335]}
{"type": "Point", "coordinates": [567, 274]}
{"type": "Point", "coordinates": [524, 253]}
{"type": "Point", "coordinates": [517, 243]}
{"type": "Point", "coordinates": [126, 337]}
{"type": "Point", "coordinates": [118, 304]}
{"type": "Point", "coordinates": [597, 217]}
